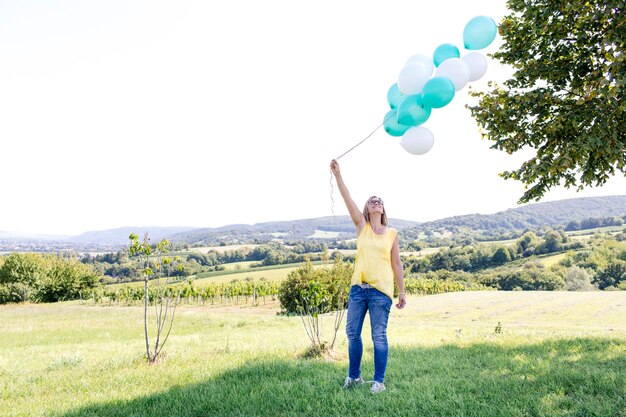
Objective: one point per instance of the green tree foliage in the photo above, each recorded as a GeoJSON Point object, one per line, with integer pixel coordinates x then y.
{"type": "Point", "coordinates": [531, 276]}
{"type": "Point", "coordinates": [330, 286]}
{"type": "Point", "coordinates": [552, 242]}
{"type": "Point", "coordinates": [501, 256]}
{"type": "Point", "coordinates": [577, 279]}
{"type": "Point", "coordinates": [527, 243]}
{"type": "Point", "coordinates": [44, 278]}
{"type": "Point", "coordinates": [566, 97]}
{"type": "Point", "coordinates": [23, 268]}
{"type": "Point", "coordinates": [593, 222]}
{"type": "Point", "coordinates": [611, 275]}
{"type": "Point", "coordinates": [64, 280]}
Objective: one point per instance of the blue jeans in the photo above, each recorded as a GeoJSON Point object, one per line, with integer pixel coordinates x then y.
{"type": "Point", "coordinates": [379, 305]}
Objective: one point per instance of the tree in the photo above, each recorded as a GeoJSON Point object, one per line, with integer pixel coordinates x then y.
{"type": "Point", "coordinates": [531, 277]}
{"type": "Point", "coordinates": [566, 97]}
{"type": "Point", "coordinates": [23, 268]}
{"type": "Point", "coordinates": [572, 225]}
{"type": "Point", "coordinates": [64, 279]}
{"type": "Point", "coordinates": [552, 242]}
{"type": "Point", "coordinates": [501, 256]}
{"type": "Point", "coordinates": [577, 279]}
{"type": "Point", "coordinates": [612, 275]}
{"type": "Point", "coordinates": [310, 293]}
{"type": "Point", "coordinates": [153, 265]}
{"type": "Point", "coordinates": [527, 243]}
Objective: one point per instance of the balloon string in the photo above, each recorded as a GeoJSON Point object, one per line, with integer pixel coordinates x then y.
{"type": "Point", "coordinates": [368, 136]}
{"type": "Point", "coordinates": [332, 200]}
{"type": "Point", "coordinates": [332, 207]}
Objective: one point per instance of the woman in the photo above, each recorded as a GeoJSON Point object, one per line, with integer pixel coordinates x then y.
{"type": "Point", "coordinates": [377, 263]}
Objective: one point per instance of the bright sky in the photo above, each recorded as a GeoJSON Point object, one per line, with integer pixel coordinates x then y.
{"type": "Point", "coordinates": [205, 113]}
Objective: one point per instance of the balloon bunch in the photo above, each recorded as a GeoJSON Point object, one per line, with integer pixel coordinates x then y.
{"type": "Point", "coordinates": [427, 83]}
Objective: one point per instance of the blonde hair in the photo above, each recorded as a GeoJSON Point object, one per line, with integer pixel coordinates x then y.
{"type": "Point", "coordinates": [366, 212]}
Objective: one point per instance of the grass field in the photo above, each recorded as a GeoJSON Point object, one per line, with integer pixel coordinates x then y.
{"type": "Point", "coordinates": [556, 354]}
{"type": "Point", "coordinates": [548, 261]}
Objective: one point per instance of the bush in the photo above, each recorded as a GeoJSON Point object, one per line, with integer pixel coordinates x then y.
{"type": "Point", "coordinates": [532, 276]}
{"type": "Point", "coordinates": [612, 275]}
{"type": "Point", "coordinates": [44, 278]}
{"type": "Point", "coordinates": [322, 289]}
{"type": "Point", "coordinates": [25, 268]}
{"type": "Point", "coordinates": [64, 280]}
{"type": "Point", "coordinates": [14, 293]}
{"type": "Point", "coordinates": [577, 279]}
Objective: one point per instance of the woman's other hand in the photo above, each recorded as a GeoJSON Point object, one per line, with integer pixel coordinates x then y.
{"type": "Point", "coordinates": [401, 301]}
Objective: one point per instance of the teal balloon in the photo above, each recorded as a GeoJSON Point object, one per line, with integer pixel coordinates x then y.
{"type": "Point", "coordinates": [394, 96]}
{"type": "Point", "coordinates": [479, 32]}
{"type": "Point", "coordinates": [437, 92]}
{"type": "Point", "coordinates": [445, 51]}
{"type": "Point", "coordinates": [392, 127]}
{"type": "Point", "coordinates": [412, 111]}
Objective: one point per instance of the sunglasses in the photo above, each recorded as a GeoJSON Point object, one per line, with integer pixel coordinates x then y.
{"type": "Point", "coordinates": [375, 201]}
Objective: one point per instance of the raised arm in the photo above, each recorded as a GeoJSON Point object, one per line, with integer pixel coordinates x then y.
{"type": "Point", "coordinates": [355, 213]}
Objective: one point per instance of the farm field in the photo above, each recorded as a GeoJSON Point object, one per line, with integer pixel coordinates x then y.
{"type": "Point", "coordinates": [456, 354]}
{"type": "Point", "coordinates": [274, 273]}
{"type": "Point", "coordinates": [221, 249]}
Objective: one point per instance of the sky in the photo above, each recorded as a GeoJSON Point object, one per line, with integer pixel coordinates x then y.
{"type": "Point", "coordinates": [204, 113]}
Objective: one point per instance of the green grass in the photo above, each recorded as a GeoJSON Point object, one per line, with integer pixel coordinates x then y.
{"type": "Point", "coordinates": [270, 274]}
{"type": "Point", "coordinates": [550, 260]}
{"type": "Point", "coordinates": [558, 354]}
{"type": "Point", "coordinates": [507, 242]}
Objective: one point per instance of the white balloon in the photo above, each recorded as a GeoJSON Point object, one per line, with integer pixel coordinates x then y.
{"type": "Point", "coordinates": [476, 64]}
{"type": "Point", "coordinates": [424, 59]}
{"type": "Point", "coordinates": [412, 78]}
{"type": "Point", "coordinates": [417, 140]}
{"type": "Point", "coordinates": [456, 70]}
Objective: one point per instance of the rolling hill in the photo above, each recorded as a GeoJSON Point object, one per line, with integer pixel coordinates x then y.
{"type": "Point", "coordinates": [532, 216]}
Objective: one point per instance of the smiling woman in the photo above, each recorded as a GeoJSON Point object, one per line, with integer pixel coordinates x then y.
{"type": "Point", "coordinates": [377, 263]}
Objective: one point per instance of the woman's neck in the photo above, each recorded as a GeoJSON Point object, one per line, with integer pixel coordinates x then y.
{"type": "Point", "coordinates": [376, 222]}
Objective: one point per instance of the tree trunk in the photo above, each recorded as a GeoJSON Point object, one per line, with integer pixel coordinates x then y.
{"type": "Point", "coordinates": [146, 301]}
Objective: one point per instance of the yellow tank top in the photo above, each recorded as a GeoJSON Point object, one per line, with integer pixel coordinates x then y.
{"type": "Point", "coordinates": [373, 259]}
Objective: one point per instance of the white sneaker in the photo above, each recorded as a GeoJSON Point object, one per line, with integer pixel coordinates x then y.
{"type": "Point", "coordinates": [352, 381]}
{"type": "Point", "coordinates": [377, 387]}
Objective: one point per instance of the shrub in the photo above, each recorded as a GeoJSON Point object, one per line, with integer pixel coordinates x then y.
{"type": "Point", "coordinates": [331, 288]}
{"type": "Point", "coordinates": [14, 293]}
{"type": "Point", "coordinates": [25, 268]}
{"type": "Point", "coordinates": [612, 275]}
{"type": "Point", "coordinates": [532, 276]}
{"type": "Point", "coordinates": [577, 279]}
{"type": "Point", "coordinates": [44, 278]}
{"type": "Point", "coordinates": [64, 280]}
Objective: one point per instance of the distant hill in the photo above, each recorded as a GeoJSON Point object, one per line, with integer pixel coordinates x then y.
{"type": "Point", "coordinates": [120, 236]}
{"type": "Point", "coordinates": [20, 236]}
{"type": "Point", "coordinates": [342, 227]}
{"type": "Point", "coordinates": [552, 214]}
{"type": "Point", "coordinates": [531, 216]}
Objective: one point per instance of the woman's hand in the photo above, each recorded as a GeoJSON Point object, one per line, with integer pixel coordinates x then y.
{"type": "Point", "coordinates": [401, 301]}
{"type": "Point", "coordinates": [334, 167]}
